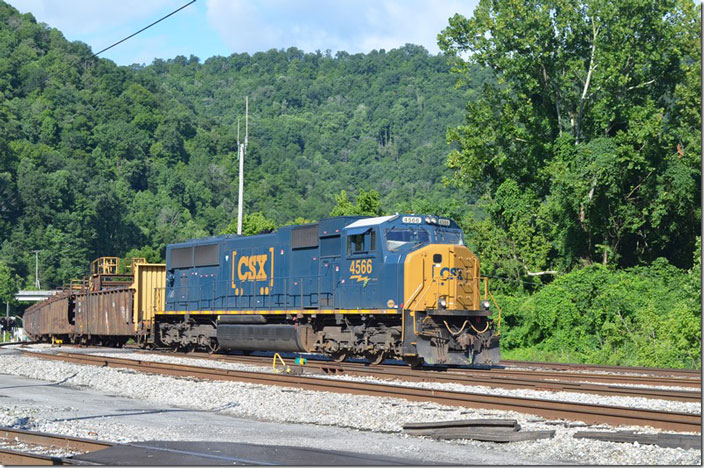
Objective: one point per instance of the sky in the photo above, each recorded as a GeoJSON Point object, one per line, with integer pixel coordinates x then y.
{"type": "Point", "coordinates": [223, 27]}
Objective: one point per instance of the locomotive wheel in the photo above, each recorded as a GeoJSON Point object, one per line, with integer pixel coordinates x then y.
{"type": "Point", "coordinates": [339, 356]}
{"type": "Point", "coordinates": [213, 345]}
{"type": "Point", "coordinates": [375, 358]}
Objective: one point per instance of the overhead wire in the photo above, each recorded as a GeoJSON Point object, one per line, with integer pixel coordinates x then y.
{"type": "Point", "coordinates": [141, 30]}
{"type": "Point", "coordinates": [83, 61]}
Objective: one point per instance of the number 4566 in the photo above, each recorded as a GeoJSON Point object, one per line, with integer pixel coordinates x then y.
{"type": "Point", "coordinates": [361, 267]}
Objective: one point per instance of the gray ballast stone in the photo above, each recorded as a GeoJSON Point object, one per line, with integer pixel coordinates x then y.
{"type": "Point", "coordinates": [209, 402]}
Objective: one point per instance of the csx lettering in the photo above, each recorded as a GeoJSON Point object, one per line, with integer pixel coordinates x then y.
{"type": "Point", "coordinates": [252, 268]}
{"type": "Point", "coordinates": [451, 273]}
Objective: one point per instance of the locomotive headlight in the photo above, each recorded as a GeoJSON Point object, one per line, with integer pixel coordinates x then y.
{"type": "Point", "coordinates": [485, 304]}
{"type": "Point", "coordinates": [442, 302]}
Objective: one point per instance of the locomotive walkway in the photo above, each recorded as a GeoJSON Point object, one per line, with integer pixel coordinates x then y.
{"type": "Point", "coordinates": [551, 409]}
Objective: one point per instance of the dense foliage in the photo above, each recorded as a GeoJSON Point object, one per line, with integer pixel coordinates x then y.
{"type": "Point", "coordinates": [98, 159]}
{"type": "Point", "coordinates": [642, 316]}
{"type": "Point", "coordinates": [587, 141]}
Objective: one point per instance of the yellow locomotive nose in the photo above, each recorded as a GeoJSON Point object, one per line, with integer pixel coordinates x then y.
{"type": "Point", "coordinates": [442, 276]}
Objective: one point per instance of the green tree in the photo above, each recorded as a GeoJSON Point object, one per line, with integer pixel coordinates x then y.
{"type": "Point", "coordinates": [367, 204]}
{"type": "Point", "coordinates": [9, 284]}
{"type": "Point", "coordinates": [584, 120]}
{"type": "Point", "coordinates": [146, 252]}
{"type": "Point", "coordinates": [254, 223]}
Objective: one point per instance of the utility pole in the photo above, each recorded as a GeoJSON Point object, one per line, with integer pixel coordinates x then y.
{"type": "Point", "coordinates": [36, 268]}
{"type": "Point", "coordinates": [242, 149]}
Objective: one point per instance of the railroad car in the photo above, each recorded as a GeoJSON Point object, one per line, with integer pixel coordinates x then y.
{"type": "Point", "coordinates": [106, 308]}
{"type": "Point", "coordinates": [400, 286]}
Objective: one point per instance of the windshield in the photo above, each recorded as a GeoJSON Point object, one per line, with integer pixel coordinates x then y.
{"type": "Point", "coordinates": [404, 237]}
{"type": "Point", "coordinates": [448, 237]}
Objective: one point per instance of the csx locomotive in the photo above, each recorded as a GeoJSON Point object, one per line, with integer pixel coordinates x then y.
{"type": "Point", "coordinates": [400, 286]}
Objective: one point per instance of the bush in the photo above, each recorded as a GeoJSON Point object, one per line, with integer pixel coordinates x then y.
{"type": "Point", "coordinates": [641, 316]}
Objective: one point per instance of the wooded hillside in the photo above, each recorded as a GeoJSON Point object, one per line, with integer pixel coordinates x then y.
{"type": "Point", "coordinates": [99, 159]}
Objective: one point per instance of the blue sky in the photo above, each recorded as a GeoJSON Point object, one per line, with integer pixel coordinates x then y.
{"type": "Point", "coordinates": [222, 27]}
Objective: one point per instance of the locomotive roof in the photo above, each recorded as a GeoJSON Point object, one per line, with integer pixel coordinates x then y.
{"type": "Point", "coordinates": [370, 221]}
{"type": "Point", "coordinates": [336, 224]}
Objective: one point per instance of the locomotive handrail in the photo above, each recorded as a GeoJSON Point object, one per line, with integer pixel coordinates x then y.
{"type": "Point", "coordinates": [488, 294]}
{"type": "Point", "coordinates": [208, 295]}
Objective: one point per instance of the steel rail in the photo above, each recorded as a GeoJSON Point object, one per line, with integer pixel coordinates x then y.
{"type": "Point", "coordinates": [527, 375]}
{"type": "Point", "coordinates": [53, 440]}
{"type": "Point", "coordinates": [501, 380]}
{"type": "Point", "coordinates": [44, 440]}
{"type": "Point", "coordinates": [10, 343]}
{"type": "Point", "coordinates": [591, 374]}
{"type": "Point", "coordinates": [605, 368]}
{"type": "Point", "coordinates": [12, 457]}
{"type": "Point", "coordinates": [588, 376]}
{"type": "Point", "coordinates": [551, 409]}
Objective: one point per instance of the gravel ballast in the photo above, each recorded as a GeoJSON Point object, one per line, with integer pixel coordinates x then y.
{"type": "Point", "coordinates": [287, 405]}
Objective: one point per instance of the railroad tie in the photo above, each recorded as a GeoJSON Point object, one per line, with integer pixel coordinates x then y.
{"type": "Point", "coordinates": [662, 439]}
{"type": "Point", "coordinates": [485, 430]}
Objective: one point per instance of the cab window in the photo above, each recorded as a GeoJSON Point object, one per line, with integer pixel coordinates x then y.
{"type": "Point", "coordinates": [400, 237]}
{"type": "Point", "coordinates": [448, 237]}
{"type": "Point", "coordinates": [361, 243]}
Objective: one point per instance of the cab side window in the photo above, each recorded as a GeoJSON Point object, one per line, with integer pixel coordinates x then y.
{"type": "Point", "coordinates": [361, 243]}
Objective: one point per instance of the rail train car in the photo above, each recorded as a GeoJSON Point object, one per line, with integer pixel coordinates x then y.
{"type": "Point", "coordinates": [401, 286]}
{"type": "Point", "coordinates": [106, 308]}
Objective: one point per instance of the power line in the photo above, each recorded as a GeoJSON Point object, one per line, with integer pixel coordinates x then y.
{"type": "Point", "coordinates": [143, 29]}
{"type": "Point", "coordinates": [83, 61]}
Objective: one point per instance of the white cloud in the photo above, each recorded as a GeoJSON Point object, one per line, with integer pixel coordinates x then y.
{"type": "Point", "coordinates": [220, 27]}
{"type": "Point", "coordinates": [86, 17]}
{"type": "Point", "coordinates": [349, 25]}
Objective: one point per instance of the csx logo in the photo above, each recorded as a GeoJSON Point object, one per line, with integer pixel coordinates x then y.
{"type": "Point", "coordinates": [451, 273]}
{"type": "Point", "coordinates": [252, 268]}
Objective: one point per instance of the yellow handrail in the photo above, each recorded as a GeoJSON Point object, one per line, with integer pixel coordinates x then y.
{"type": "Point", "coordinates": [488, 294]}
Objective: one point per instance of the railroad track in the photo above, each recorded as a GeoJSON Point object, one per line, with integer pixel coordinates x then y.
{"type": "Point", "coordinates": [589, 375]}
{"type": "Point", "coordinates": [551, 409]}
{"type": "Point", "coordinates": [44, 441]}
{"type": "Point", "coordinates": [615, 375]}
{"type": "Point", "coordinates": [10, 343]}
{"type": "Point", "coordinates": [682, 373]}
{"type": "Point", "coordinates": [495, 378]}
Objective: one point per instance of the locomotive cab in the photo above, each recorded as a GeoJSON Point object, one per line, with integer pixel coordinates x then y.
{"type": "Point", "coordinates": [445, 320]}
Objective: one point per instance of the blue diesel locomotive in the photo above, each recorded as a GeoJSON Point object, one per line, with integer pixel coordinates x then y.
{"type": "Point", "coordinates": [401, 286]}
